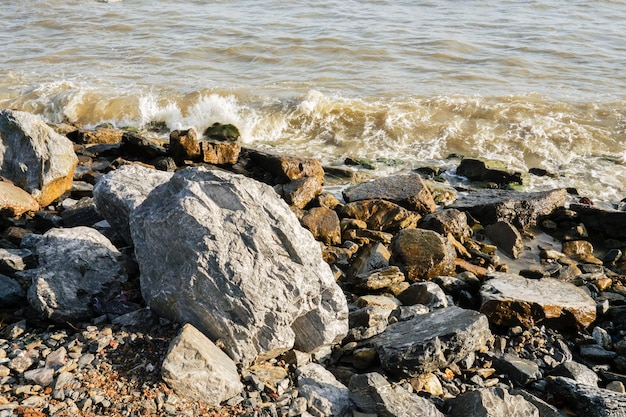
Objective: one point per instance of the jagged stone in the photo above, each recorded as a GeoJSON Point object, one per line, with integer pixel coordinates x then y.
{"type": "Point", "coordinates": [576, 371]}
{"type": "Point", "coordinates": [587, 400]}
{"type": "Point", "coordinates": [521, 209]}
{"type": "Point", "coordinates": [121, 191]}
{"type": "Point", "coordinates": [283, 168]}
{"type": "Point", "coordinates": [408, 191]}
{"type": "Point", "coordinates": [370, 258]}
{"type": "Point", "coordinates": [368, 322]}
{"type": "Point", "coordinates": [35, 157]}
{"type": "Point", "coordinates": [197, 369]}
{"type": "Point", "coordinates": [381, 215]}
{"type": "Point", "coordinates": [545, 409]}
{"type": "Point", "coordinates": [431, 341]}
{"type": "Point", "coordinates": [426, 293]}
{"type": "Point", "coordinates": [226, 254]}
{"type": "Point", "coordinates": [83, 213]}
{"type": "Point", "coordinates": [300, 192]}
{"type": "Point", "coordinates": [184, 146]}
{"type": "Point", "coordinates": [447, 221]}
{"type": "Point", "coordinates": [506, 237]}
{"type": "Point", "coordinates": [99, 136]}
{"type": "Point", "coordinates": [141, 147]}
{"type": "Point", "coordinates": [511, 300]}
{"type": "Point", "coordinates": [372, 393]}
{"type": "Point", "coordinates": [321, 389]}
{"type": "Point", "coordinates": [422, 254]}
{"type": "Point", "coordinates": [75, 265]}
{"type": "Point", "coordinates": [14, 260]}
{"type": "Point", "coordinates": [486, 170]}
{"type": "Point", "coordinates": [324, 224]}
{"type": "Point", "coordinates": [491, 402]}
{"type": "Point", "coordinates": [378, 279]}
{"type": "Point", "coordinates": [14, 201]}
{"type": "Point", "coordinates": [220, 153]}
{"type": "Point", "coordinates": [520, 371]}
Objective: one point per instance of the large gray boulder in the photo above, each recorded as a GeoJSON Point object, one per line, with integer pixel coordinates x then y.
{"type": "Point", "coordinates": [34, 156]}
{"type": "Point", "coordinates": [121, 191]}
{"type": "Point", "coordinates": [491, 402]}
{"type": "Point", "coordinates": [75, 265]}
{"type": "Point", "coordinates": [224, 253]}
{"type": "Point", "coordinates": [372, 393]}
{"type": "Point", "coordinates": [431, 341]}
{"type": "Point", "coordinates": [197, 369]}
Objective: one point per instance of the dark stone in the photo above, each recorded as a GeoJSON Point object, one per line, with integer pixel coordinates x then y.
{"type": "Point", "coordinates": [506, 237]}
{"type": "Point", "coordinates": [222, 132]}
{"type": "Point", "coordinates": [83, 213]}
{"type": "Point", "coordinates": [490, 171]}
{"type": "Point", "coordinates": [141, 147]}
{"type": "Point", "coordinates": [602, 223]}
{"type": "Point", "coordinates": [587, 400]}
{"type": "Point", "coordinates": [280, 169]}
{"type": "Point", "coordinates": [576, 371]}
{"type": "Point", "coordinates": [520, 371]}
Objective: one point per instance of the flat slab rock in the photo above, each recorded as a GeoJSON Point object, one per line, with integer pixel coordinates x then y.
{"type": "Point", "coordinates": [511, 300]}
{"type": "Point", "coordinates": [587, 400]}
{"type": "Point", "coordinates": [431, 341]}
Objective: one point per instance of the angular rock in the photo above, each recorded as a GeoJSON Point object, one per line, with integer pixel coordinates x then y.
{"type": "Point", "coordinates": [522, 210]}
{"type": "Point", "coordinates": [220, 153]}
{"type": "Point", "coordinates": [11, 293]}
{"type": "Point", "coordinates": [378, 279]}
{"type": "Point", "coordinates": [83, 213]}
{"type": "Point", "coordinates": [324, 224]}
{"type": "Point", "coordinates": [141, 147]}
{"type": "Point", "coordinates": [511, 300]}
{"type": "Point", "coordinates": [75, 265]}
{"type": "Point", "coordinates": [283, 168]}
{"type": "Point", "coordinates": [124, 189]}
{"type": "Point", "coordinates": [491, 402]}
{"type": "Point", "coordinates": [491, 171]}
{"type": "Point", "coordinates": [14, 201]}
{"type": "Point", "coordinates": [408, 191]}
{"type": "Point", "coordinates": [34, 157]}
{"type": "Point", "coordinates": [431, 341]}
{"type": "Point", "coordinates": [506, 237]}
{"type": "Point", "coordinates": [372, 393]}
{"type": "Point", "coordinates": [368, 322]}
{"type": "Point", "coordinates": [586, 400]}
{"type": "Point", "coordinates": [601, 223]}
{"type": "Point", "coordinates": [370, 258]}
{"type": "Point", "coordinates": [324, 393]}
{"type": "Point", "coordinates": [447, 221]}
{"type": "Point", "coordinates": [422, 254]}
{"type": "Point", "coordinates": [545, 409]}
{"type": "Point", "coordinates": [197, 369]}
{"type": "Point", "coordinates": [520, 371]}
{"type": "Point", "coordinates": [578, 372]}
{"type": "Point", "coordinates": [14, 260]}
{"type": "Point", "coordinates": [99, 136]}
{"type": "Point", "coordinates": [184, 145]}
{"type": "Point", "coordinates": [300, 192]}
{"type": "Point", "coordinates": [426, 293]}
{"type": "Point", "coordinates": [381, 215]}
{"type": "Point", "coordinates": [226, 254]}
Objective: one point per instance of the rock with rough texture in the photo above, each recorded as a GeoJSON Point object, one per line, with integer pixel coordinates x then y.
{"type": "Point", "coordinates": [101, 135]}
{"type": "Point", "coordinates": [520, 371]}
{"type": "Point", "coordinates": [587, 400]}
{"type": "Point", "coordinates": [11, 293]}
{"type": "Point", "coordinates": [378, 279]}
{"type": "Point", "coordinates": [75, 265]}
{"type": "Point", "coordinates": [326, 396]}
{"type": "Point", "coordinates": [14, 201]}
{"type": "Point", "coordinates": [324, 224]}
{"type": "Point", "coordinates": [477, 169]}
{"type": "Point", "coordinates": [448, 221]}
{"type": "Point", "coordinates": [426, 293]}
{"type": "Point", "coordinates": [422, 254]}
{"type": "Point", "coordinates": [184, 146]}
{"type": "Point", "coordinates": [300, 192]}
{"type": "Point", "coordinates": [601, 223]}
{"type": "Point", "coordinates": [370, 258]}
{"type": "Point", "coordinates": [141, 147]}
{"type": "Point", "coordinates": [409, 191]}
{"type": "Point", "coordinates": [226, 254]}
{"type": "Point", "coordinates": [220, 153]}
{"type": "Point", "coordinates": [372, 393]}
{"type": "Point", "coordinates": [368, 321]}
{"type": "Point", "coordinates": [521, 209]}
{"type": "Point", "coordinates": [381, 215]}
{"type": "Point", "coordinates": [506, 237]}
{"type": "Point", "coordinates": [222, 132]}
{"type": "Point", "coordinates": [121, 191]}
{"type": "Point", "coordinates": [35, 157]}
{"type": "Point", "coordinates": [282, 168]}
{"type": "Point", "coordinates": [197, 369]}
{"type": "Point", "coordinates": [578, 372]}
{"type": "Point", "coordinates": [431, 341]}
{"type": "Point", "coordinates": [511, 300]}
{"type": "Point", "coordinates": [491, 402]}
{"type": "Point", "coordinates": [14, 260]}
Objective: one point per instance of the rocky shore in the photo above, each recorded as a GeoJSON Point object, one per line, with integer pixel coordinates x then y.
{"type": "Point", "coordinates": [199, 277]}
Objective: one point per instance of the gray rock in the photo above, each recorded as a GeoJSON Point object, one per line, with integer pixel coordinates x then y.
{"type": "Point", "coordinates": [576, 371]}
{"type": "Point", "coordinates": [586, 400]}
{"type": "Point", "coordinates": [426, 293]}
{"type": "Point", "coordinates": [372, 393]}
{"type": "Point", "coordinates": [409, 191]}
{"type": "Point", "coordinates": [511, 300]}
{"type": "Point", "coordinates": [367, 322]}
{"type": "Point", "coordinates": [486, 170]}
{"type": "Point", "coordinates": [431, 341]}
{"type": "Point", "coordinates": [34, 156]}
{"type": "Point", "coordinates": [378, 279]}
{"type": "Point", "coordinates": [506, 237]}
{"type": "Point", "coordinates": [226, 254]}
{"type": "Point", "coordinates": [545, 409]}
{"type": "Point", "coordinates": [491, 402]}
{"type": "Point", "coordinates": [520, 209]}
{"type": "Point", "coordinates": [11, 293]}
{"type": "Point", "coordinates": [422, 254]}
{"type": "Point", "coordinates": [74, 265]}
{"type": "Point", "coordinates": [40, 376]}
{"type": "Point", "coordinates": [121, 191]}
{"type": "Point", "coordinates": [597, 353]}
{"type": "Point", "coordinates": [322, 391]}
{"type": "Point", "coordinates": [197, 369]}
{"type": "Point", "coordinates": [520, 371]}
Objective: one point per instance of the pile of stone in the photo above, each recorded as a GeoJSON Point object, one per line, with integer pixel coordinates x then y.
{"type": "Point", "coordinates": [199, 277]}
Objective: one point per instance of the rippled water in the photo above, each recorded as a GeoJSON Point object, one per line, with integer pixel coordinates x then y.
{"type": "Point", "coordinates": [535, 83]}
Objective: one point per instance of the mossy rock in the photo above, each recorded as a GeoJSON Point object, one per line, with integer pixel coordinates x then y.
{"type": "Point", "coordinates": [222, 132]}
{"type": "Point", "coordinates": [362, 162]}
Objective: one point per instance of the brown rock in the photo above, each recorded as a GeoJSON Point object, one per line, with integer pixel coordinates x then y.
{"type": "Point", "coordinates": [323, 223]}
{"type": "Point", "coordinates": [300, 192]}
{"type": "Point", "coordinates": [422, 254]}
{"type": "Point", "coordinates": [506, 237]}
{"type": "Point", "coordinates": [409, 191]}
{"type": "Point", "coordinates": [286, 168]}
{"type": "Point", "coordinates": [184, 145]}
{"type": "Point", "coordinates": [366, 236]}
{"type": "Point", "coordinates": [14, 201]}
{"type": "Point", "coordinates": [101, 135]}
{"type": "Point", "coordinates": [448, 221]}
{"type": "Point", "coordinates": [220, 153]}
{"type": "Point", "coordinates": [381, 215]}
{"type": "Point", "coordinates": [477, 270]}
{"type": "Point", "coordinates": [581, 250]}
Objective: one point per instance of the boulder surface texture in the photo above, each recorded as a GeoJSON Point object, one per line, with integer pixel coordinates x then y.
{"type": "Point", "coordinates": [226, 254]}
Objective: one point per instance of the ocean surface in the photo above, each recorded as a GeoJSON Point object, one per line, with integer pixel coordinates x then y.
{"type": "Point", "coordinates": [539, 84]}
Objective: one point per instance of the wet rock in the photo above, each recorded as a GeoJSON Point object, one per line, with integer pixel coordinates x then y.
{"type": "Point", "coordinates": [408, 191]}
{"type": "Point", "coordinates": [184, 145]}
{"type": "Point", "coordinates": [14, 201]}
{"type": "Point", "coordinates": [282, 168]}
{"type": "Point", "coordinates": [586, 400]}
{"type": "Point", "coordinates": [491, 402]}
{"type": "Point", "coordinates": [300, 192]}
{"type": "Point", "coordinates": [426, 293]}
{"type": "Point", "coordinates": [326, 396]}
{"type": "Point", "coordinates": [576, 371]}
{"type": "Point", "coordinates": [372, 393]}
{"type": "Point", "coordinates": [510, 300]}
{"type": "Point", "coordinates": [448, 221]}
{"type": "Point", "coordinates": [323, 223]}
{"type": "Point", "coordinates": [34, 157]}
{"type": "Point", "coordinates": [222, 132]}
{"type": "Point", "coordinates": [121, 191]}
{"type": "Point", "coordinates": [381, 215]}
{"type": "Point", "coordinates": [197, 369]}
{"type": "Point", "coordinates": [220, 153]}
{"type": "Point", "coordinates": [491, 171]}
{"type": "Point", "coordinates": [422, 254]}
{"type": "Point", "coordinates": [75, 265]}
{"type": "Point", "coordinates": [520, 371]}
{"type": "Point", "coordinates": [601, 223]}
{"type": "Point", "coordinates": [506, 237]}
{"type": "Point", "coordinates": [264, 286]}
{"type": "Point", "coordinates": [521, 209]}
{"type": "Point", "coordinates": [141, 147]}
{"type": "Point", "coordinates": [11, 293]}
{"type": "Point", "coordinates": [431, 341]}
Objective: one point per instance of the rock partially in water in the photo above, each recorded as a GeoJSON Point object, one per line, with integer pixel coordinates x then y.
{"type": "Point", "coordinates": [602, 223]}
{"type": "Point", "coordinates": [506, 237]}
{"type": "Point", "coordinates": [488, 170]}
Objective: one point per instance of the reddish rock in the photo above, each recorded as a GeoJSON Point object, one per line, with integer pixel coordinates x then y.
{"type": "Point", "coordinates": [323, 223]}
{"type": "Point", "coordinates": [220, 153]}
{"type": "Point", "coordinates": [99, 136]}
{"type": "Point", "coordinates": [14, 201]}
{"type": "Point", "coordinates": [300, 192]}
{"type": "Point", "coordinates": [285, 168]}
{"type": "Point", "coordinates": [184, 145]}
